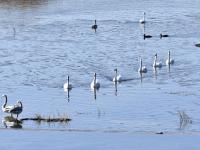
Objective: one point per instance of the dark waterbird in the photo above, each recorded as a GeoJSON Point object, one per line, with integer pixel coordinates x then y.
{"type": "Point", "coordinates": [95, 25]}
{"type": "Point", "coordinates": [163, 35]}
{"type": "Point", "coordinates": [146, 36]}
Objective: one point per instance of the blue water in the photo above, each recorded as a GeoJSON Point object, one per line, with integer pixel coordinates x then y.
{"type": "Point", "coordinates": [53, 39]}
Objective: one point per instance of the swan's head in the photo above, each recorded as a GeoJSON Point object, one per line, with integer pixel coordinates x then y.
{"type": "Point", "coordinates": [95, 21]}
{"type": "Point", "coordinates": [115, 69]}
{"type": "Point", "coordinates": [95, 74]}
{"type": "Point", "coordinates": [68, 77]}
{"type": "Point", "coordinates": [156, 55]}
{"type": "Point", "coordinates": [19, 102]}
{"type": "Point", "coordinates": [4, 96]}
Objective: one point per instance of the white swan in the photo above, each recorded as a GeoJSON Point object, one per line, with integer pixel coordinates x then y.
{"type": "Point", "coordinates": [67, 86]}
{"type": "Point", "coordinates": [169, 61]}
{"type": "Point", "coordinates": [95, 83]}
{"type": "Point", "coordinates": [117, 78]}
{"type": "Point", "coordinates": [142, 69]}
{"type": "Point", "coordinates": [142, 21]}
{"type": "Point", "coordinates": [155, 63]}
{"type": "Point", "coordinates": [5, 108]}
{"type": "Point", "coordinates": [17, 109]}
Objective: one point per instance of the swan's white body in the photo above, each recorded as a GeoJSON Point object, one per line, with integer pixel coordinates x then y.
{"type": "Point", "coordinates": [117, 78]}
{"type": "Point", "coordinates": [169, 60]}
{"type": "Point", "coordinates": [67, 86]}
{"type": "Point", "coordinates": [95, 83]}
{"type": "Point", "coordinates": [155, 63]}
{"type": "Point", "coordinates": [142, 69]}
{"type": "Point", "coordinates": [142, 21]}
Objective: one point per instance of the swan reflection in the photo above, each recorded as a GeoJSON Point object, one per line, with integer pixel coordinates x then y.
{"type": "Point", "coordinates": [11, 122]}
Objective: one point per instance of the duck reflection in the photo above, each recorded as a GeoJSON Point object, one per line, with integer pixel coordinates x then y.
{"type": "Point", "coordinates": [95, 93]}
{"type": "Point", "coordinates": [11, 122]}
{"type": "Point", "coordinates": [141, 77]}
{"type": "Point", "coordinates": [67, 95]}
{"type": "Point", "coordinates": [115, 89]}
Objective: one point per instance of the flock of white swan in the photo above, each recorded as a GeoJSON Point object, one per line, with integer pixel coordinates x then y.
{"type": "Point", "coordinates": [95, 84]}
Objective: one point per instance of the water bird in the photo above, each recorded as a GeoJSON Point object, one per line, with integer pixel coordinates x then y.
{"type": "Point", "coordinates": [143, 21]}
{"type": "Point", "coordinates": [155, 63]}
{"type": "Point", "coordinates": [117, 78]}
{"type": "Point", "coordinates": [163, 35]}
{"type": "Point", "coordinates": [17, 109]}
{"type": "Point", "coordinates": [95, 83]}
{"type": "Point", "coordinates": [67, 86]}
{"type": "Point", "coordinates": [169, 60]}
{"type": "Point", "coordinates": [5, 108]}
{"type": "Point", "coordinates": [146, 36]}
{"type": "Point", "coordinates": [95, 25]}
{"type": "Point", "coordinates": [142, 69]}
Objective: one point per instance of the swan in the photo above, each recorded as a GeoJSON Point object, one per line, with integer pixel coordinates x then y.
{"type": "Point", "coordinates": [155, 63]}
{"type": "Point", "coordinates": [95, 83]}
{"type": "Point", "coordinates": [142, 69]}
{"type": "Point", "coordinates": [169, 61]}
{"type": "Point", "coordinates": [142, 21]}
{"type": "Point", "coordinates": [17, 109]}
{"type": "Point", "coordinates": [95, 25]}
{"type": "Point", "coordinates": [163, 35]}
{"type": "Point", "coordinates": [117, 78]}
{"type": "Point", "coordinates": [67, 86]}
{"type": "Point", "coordinates": [5, 108]}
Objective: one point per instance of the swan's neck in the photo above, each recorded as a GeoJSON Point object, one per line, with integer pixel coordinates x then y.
{"type": "Point", "coordinates": [95, 79]}
{"type": "Point", "coordinates": [144, 17]}
{"type": "Point", "coordinates": [116, 74]}
{"type": "Point", "coordinates": [5, 103]}
{"type": "Point", "coordinates": [68, 81]}
{"type": "Point", "coordinates": [95, 22]}
{"type": "Point", "coordinates": [155, 59]}
{"type": "Point", "coordinates": [20, 104]}
{"type": "Point", "coordinates": [169, 56]}
{"type": "Point", "coordinates": [141, 64]}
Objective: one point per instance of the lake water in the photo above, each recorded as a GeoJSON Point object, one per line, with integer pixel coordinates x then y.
{"type": "Point", "coordinates": [54, 39]}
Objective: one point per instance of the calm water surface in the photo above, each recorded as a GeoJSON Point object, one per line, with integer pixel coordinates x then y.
{"type": "Point", "coordinates": [54, 39]}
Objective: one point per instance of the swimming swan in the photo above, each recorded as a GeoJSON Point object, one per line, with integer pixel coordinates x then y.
{"type": "Point", "coordinates": [142, 69]}
{"type": "Point", "coordinates": [155, 63]}
{"type": "Point", "coordinates": [95, 83]}
{"type": "Point", "coordinates": [117, 78]}
{"type": "Point", "coordinates": [142, 21]}
{"type": "Point", "coordinates": [169, 61]}
{"type": "Point", "coordinates": [67, 86]}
